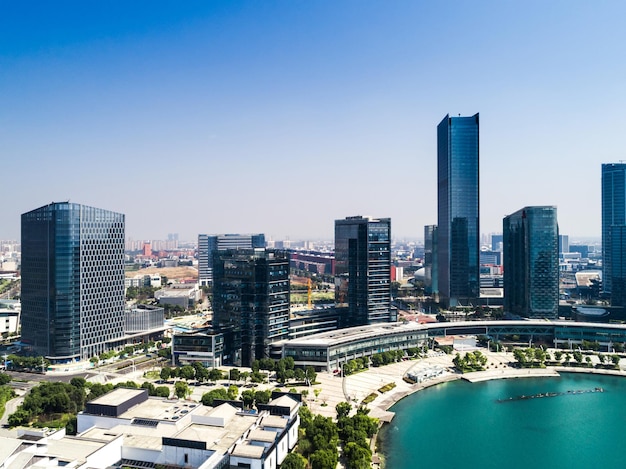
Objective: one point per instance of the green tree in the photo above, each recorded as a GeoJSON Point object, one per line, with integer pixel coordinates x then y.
{"type": "Point", "coordinates": [215, 374]}
{"type": "Point", "coordinates": [19, 417]}
{"type": "Point", "coordinates": [358, 456]}
{"type": "Point", "coordinates": [343, 410]}
{"type": "Point", "coordinates": [262, 397]}
{"type": "Point", "coordinates": [234, 374]}
{"type": "Point", "coordinates": [165, 373]}
{"type": "Point", "coordinates": [233, 392]}
{"type": "Point", "coordinates": [294, 461]}
{"type": "Point", "coordinates": [209, 397]}
{"type": "Point", "coordinates": [247, 397]}
{"type": "Point", "coordinates": [79, 382]}
{"type": "Point", "coordinates": [310, 375]}
{"type": "Point", "coordinates": [323, 459]}
{"type": "Point", "coordinates": [615, 359]}
{"type": "Point", "coordinates": [162, 391]}
{"type": "Point", "coordinates": [202, 374]}
{"type": "Point", "coordinates": [578, 356]}
{"type": "Point", "coordinates": [150, 387]}
{"type": "Point", "coordinates": [98, 389]}
{"type": "Point", "coordinates": [187, 372]}
{"type": "Point", "coordinates": [181, 389]}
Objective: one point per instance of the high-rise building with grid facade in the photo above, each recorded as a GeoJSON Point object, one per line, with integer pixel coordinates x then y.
{"type": "Point", "coordinates": [618, 265]}
{"type": "Point", "coordinates": [208, 244]}
{"type": "Point", "coordinates": [72, 280]}
{"type": "Point", "coordinates": [430, 259]}
{"type": "Point", "coordinates": [531, 262]}
{"type": "Point", "coordinates": [458, 241]}
{"type": "Point", "coordinates": [363, 271]}
{"type": "Point", "coordinates": [613, 214]}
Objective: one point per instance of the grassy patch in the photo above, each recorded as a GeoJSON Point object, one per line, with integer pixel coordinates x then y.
{"type": "Point", "coordinates": [369, 398]}
{"type": "Point", "coordinates": [387, 387]}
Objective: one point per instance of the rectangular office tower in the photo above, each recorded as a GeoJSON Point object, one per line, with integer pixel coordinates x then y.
{"type": "Point", "coordinates": [250, 302]}
{"type": "Point", "coordinates": [531, 263]}
{"type": "Point", "coordinates": [458, 243]}
{"type": "Point", "coordinates": [72, 280]}
{"type": "Point", "coordinates": [363, 271]}
{"type": "Point", "coordinates": [617, 233]}
{"type": "Point", "coordinates": [613, 214]}
{"type": "Point", "coordinates": [430, 259]}
{"type": "Point", "coordinates": [207, 244]}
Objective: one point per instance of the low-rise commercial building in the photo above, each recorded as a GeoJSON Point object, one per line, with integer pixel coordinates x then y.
{"type": "Point", "coordinates": [150, 432]}
{"type": "Point", "coordinates": [204, 346]}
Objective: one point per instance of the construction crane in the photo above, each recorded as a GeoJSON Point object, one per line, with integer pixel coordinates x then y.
{"type": "Point", "coordinates": [309, 295]}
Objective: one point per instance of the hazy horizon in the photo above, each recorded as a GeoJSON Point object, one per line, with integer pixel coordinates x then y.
{"type": "Point", "coordinates": [280, 117]}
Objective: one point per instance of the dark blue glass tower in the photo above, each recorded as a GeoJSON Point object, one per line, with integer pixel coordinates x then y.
{"type": "Point", "coordinates": [250, 301]}
{"type": "Point", "coordinates": [363, 271]}
{"type": "Point", "coordinates": [618, 265]}
{"type": "Point", "coordinates": [613, 214]}
{"type": "Point", "coordinates": [72, 280]}
{"type": "Point", "coordinates": [457, 210]}
{"type": "Point", "coordinates": [531, 262]}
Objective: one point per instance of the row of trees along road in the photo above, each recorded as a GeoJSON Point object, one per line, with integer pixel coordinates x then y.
{"type": "Point", "coordinates": [284, 368]}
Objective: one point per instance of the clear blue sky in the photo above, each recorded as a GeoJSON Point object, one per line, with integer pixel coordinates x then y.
{"type": "Point", "coordinates": [282, 116]}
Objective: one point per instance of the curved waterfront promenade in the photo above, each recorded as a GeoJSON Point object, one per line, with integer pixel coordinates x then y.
{"type": "Point", "coordinates": [355, 388]}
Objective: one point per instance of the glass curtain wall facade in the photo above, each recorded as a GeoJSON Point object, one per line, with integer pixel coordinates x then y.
{"type": "Point", "coordinates": [207, 244]}
{"type": "Point", "coordinates": [72, 280]}
{"type": "Point", "coordinates": [457, 210]}
{"type": "Point", "coordinates": [618, 265]}
{"type": "Point", "coordinates": [531, 262]}
{"type": "Point", "coordinates": [250, 302]}
{"type": "Point", "coordinates": [430, 259]}
{"type": "Point", "coordinates": [363, 270]}
{"type": "Point", "coordinates": [613, 214]}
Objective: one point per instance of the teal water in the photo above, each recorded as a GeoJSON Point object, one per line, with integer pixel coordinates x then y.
{"type": "Point", "coordinates": [460, 424]}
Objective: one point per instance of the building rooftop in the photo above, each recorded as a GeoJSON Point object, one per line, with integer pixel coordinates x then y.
{"type": "Point", "coordinates": [262, 435]}
{"type": "Point", "coordinates": [274, 421]}
{"type": "Point", "coordinates": [351, 334]}
{"type": "Point", "coordinates": [72, 449]}
{"type": "Point", "coordinates": [118, 396]}
{"type": "Point", "coordinates": [218, 438]}
{"type": "Point", "coordinates": [285, 401]}
{"type": "Point", "coordinates": [8, 447]}
{"type": "Point", "coordinates": [248, 451]}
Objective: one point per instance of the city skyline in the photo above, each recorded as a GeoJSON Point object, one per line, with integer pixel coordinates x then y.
{"type": "Point", "coordinates": [246, 117]}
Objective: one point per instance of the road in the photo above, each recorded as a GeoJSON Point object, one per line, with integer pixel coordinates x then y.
{"type": "Point", "coordinates": [10, 407]}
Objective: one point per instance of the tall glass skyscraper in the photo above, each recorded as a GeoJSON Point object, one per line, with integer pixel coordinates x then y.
{"type": "Point", "coordinates": [531, 262]}
{"type": "Point", "coordinates": [618, 265]}
{"type": "Point", "coordinates": [72, 280]}
{"type": "Point", "coordinates": [613, 214]}
{"type": "Point", "coordinates": [430, 259]}
{"type": "Point", "coordinates": [363, 271]}
{"type": "Point", "coordinates": [250, 301]}
{"type": "Point", "coordinates": [458, 242]}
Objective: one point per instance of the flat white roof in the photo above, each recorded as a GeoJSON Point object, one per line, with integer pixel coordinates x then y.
{"type": "Point", "coordinates": [117, 396]}
{"type": "Point", "coordinates": [248, 451]}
